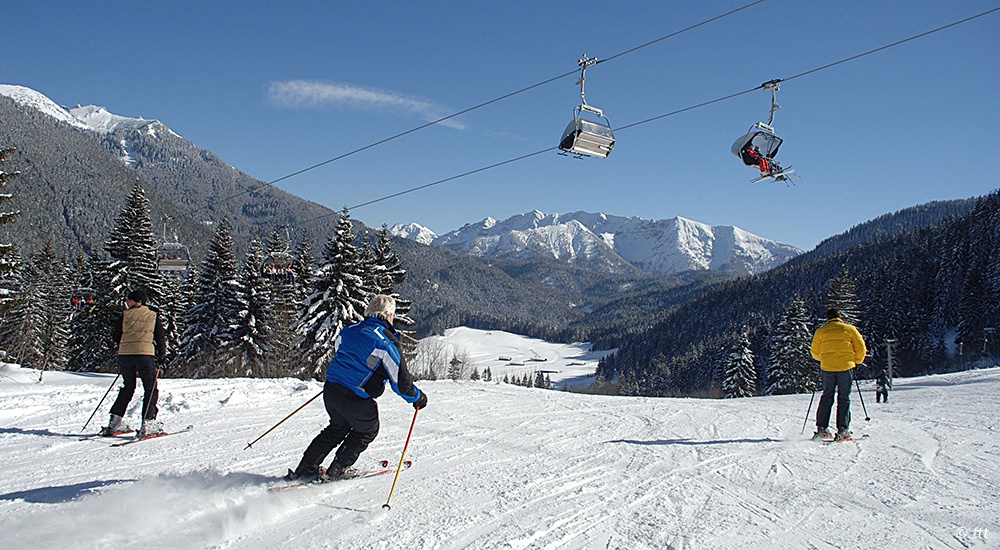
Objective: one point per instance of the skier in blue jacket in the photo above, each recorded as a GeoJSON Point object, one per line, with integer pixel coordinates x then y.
{"type": "Point", "coordinates": [367, 356]}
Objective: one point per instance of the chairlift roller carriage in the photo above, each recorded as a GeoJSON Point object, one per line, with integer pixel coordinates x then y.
{"type": "Point", "coordinates": [172, 255]}
{"type": "Point", "coordinates": [584, 137]}
{"type": "Point", "coordinates": [759, 147]}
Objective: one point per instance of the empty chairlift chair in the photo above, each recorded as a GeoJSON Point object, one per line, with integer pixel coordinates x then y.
{"type": "Point", "coordinates": [586, 137]}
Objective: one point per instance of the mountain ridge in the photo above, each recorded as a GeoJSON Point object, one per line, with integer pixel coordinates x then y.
{"type": "Point", "coordinates": [616, 244]}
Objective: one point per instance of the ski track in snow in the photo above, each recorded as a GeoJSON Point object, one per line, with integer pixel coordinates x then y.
{"type": "Point", "coordinates": [499, 466]}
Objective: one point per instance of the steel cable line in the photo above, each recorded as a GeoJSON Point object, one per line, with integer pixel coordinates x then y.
{"type": "Point", "coordinates": [483, 104]}
{"type": "Point", "coordinates": [665, 115]}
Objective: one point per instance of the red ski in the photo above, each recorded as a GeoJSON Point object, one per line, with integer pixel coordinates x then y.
{"type": "Point", "coordinates": [153, 436]}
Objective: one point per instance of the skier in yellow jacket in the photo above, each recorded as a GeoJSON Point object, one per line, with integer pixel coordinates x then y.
{"type": "Point", "coordinates": [839, 348]}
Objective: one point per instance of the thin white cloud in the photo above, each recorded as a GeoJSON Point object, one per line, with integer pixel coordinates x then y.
{"type": "Point", "coordinates": [310, 94]}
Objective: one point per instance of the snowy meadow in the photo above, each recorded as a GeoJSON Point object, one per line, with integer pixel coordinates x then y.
{"type": "Point", "coordinates": [501, 466]}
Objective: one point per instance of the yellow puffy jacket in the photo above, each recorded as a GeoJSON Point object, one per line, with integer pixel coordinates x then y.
{"type": "Point", "coordinates": [838, 346]}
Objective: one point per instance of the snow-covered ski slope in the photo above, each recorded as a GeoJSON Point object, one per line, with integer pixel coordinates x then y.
{"type": "Point", "coordinates": [499, 466]}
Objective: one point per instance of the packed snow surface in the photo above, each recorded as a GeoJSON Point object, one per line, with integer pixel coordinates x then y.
{"type": "Point", "coordinates": [501, 466]}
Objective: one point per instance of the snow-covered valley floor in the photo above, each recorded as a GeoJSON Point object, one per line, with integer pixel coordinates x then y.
{"type": "Point", "coordinates": [500, 466]}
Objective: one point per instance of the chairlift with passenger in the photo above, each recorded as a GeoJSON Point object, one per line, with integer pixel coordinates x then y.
{"type": "Point", "coordinates": [171, 255]}
{"type": "Point", "coordinates": [83, 298]}
{"type": "Point", "coordinates": [587, 137]}
{"type": "Point", "coordinates": [279, 265]}
{"type": "Point", "coordinates": [759, 147]}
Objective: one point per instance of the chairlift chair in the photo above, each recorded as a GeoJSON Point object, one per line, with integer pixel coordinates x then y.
{"type": "Point", "coordinates": [279, 267]}
{"type": "Point", "coordinates": [171, 255]}
{"type": "Point", "coordinates": [762, 137]}
{"type": "Point", "coordinates": [583, 137]}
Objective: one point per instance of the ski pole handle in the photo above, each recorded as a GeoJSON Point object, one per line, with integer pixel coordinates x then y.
{"type": "Point", "coordinates": [282, 421]}
{"type": "Point", "coordinates": [401, 458]}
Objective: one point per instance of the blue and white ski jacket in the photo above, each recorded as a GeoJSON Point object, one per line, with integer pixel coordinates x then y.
{"type": "Point", "coordinates": [368, 356]}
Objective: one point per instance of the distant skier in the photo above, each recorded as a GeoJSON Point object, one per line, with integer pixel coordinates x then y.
{"type": "Point", "coordinates": [882, 388]}
{"type": "Point", "coordinates": [839, 348]}
{"type": "Point", "coordinates": [141, 344]}
{"type": "Point", "coordinates": [367, 357]}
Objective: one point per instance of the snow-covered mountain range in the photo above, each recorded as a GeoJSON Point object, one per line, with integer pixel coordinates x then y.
{"type": "Point", "coordinates": [92, 118]}
{"type": "Point", "coordinates": [613, 243]}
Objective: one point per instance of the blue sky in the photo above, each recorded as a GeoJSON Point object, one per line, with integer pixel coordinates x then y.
{"type": "Point", "coordinates": [275, 87]}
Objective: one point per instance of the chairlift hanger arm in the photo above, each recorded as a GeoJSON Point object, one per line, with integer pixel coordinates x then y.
{"type": "Point", "coordinates": [772, 85]}
{"type": "Point", "coordinates": [585, 62]}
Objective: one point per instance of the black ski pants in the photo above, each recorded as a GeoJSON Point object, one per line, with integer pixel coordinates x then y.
{"type": "Point", "coordinates": [839, 382]}
{"type": "Point", "coordinates": [143, 367]}
{"type": "Point", "coordinates": [353, 426]}
{"type": "Point", "coordinates": [881, 395]}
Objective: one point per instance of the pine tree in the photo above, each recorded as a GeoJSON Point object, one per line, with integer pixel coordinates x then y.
{"type": "Point", "coordinates": [303, 267]}
{"type": "Point", "coordinates": [387, 274]}
{"type": "Point", "coordinates": [252, 331]}
{"type": "Point", "coordinates": [177, 289]}
{"type": "Point", "coordinates": [285, 295]}
{"type": "Point", "coordinates": [739, 376]}
{"type": "Point", "coordinates": [131, 265]}
{"type": "Point", "coordinates": [88, 330]}
{"type": "Point", "coordinates": [132, 251]}
{"type": "Point", "coordinates": [455, 369]}
{"type": "Point", "coordinates": [6, 266]}
{"type": "Point", "coordinates": [206, 343]}
{"type": "Point", "coordinates": [841, 295]}
{"type": "Point", "coordinates": [791, 369]}
{"type": "Point", "coordinates": [338, 299]}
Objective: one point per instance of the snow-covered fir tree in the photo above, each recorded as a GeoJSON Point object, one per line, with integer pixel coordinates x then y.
{"type": "Point", "coordinates": [252, 331]}
{"type": "Point", "coordinates": [7, 265]}
{"type": "Point", "coordinates": [286, 289]}
{"type": "Point", "coordinates": [131, 248]}
{"type": "Point", "coordinates": [386, 274]}
{"type": "Point", "coordinates": [739, 376]}
{"type": "Point", "coordinates": [303, 267]}
{"type": "Point", "coordinates": [791, 368]}
{"type": "Point", "coordinates": [205, 349]}
{"type": "Point", "coordinates": [132, 251]}
{"type": "Point", "coordinates": [842, 296]}
{"type": "Point", "coordinates": [338, 299]}
{"type": "Point", "coordinates": [36, 330]}
{"type": "Point", "coordinates": [173, 304]}
{"type": "Point", "coordinates": [87, 325]}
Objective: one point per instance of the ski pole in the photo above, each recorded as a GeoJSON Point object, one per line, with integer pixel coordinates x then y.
{"type": "Point", "coordinates": [401, 457]}
{"type": "Point", "coordinates": [856, 383]}
{"type": "Point", "coordinates": [282, 420]}
{"type": "Point", "coordinates": [806, 421]}
{"type": "Point", "coordinates": [101, 402]}
{"type": "Point", "coordinates": [149, 401]}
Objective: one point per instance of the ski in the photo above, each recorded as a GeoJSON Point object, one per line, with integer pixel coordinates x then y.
{"type": "Point", "coordinates": [852, 438]}
{"type": "Point", "coordinates": [153, 436]}
{"type": "Point", "coordinates": [102, 436]}
{"type": "Point", "coordinates": [351, 473]}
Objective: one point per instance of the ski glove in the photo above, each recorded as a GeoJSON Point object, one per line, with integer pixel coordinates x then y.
{"type": "Point", "coordinates": [422, 402]}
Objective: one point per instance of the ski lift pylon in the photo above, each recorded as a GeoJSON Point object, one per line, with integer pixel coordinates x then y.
{"type": "Point", "coordinates": [584, 137]}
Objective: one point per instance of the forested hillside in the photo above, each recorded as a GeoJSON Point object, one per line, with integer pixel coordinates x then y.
{"type": "Point", "coordinates": [70, 188]}
{"type": "Point", "coordinates": [933, 290]}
